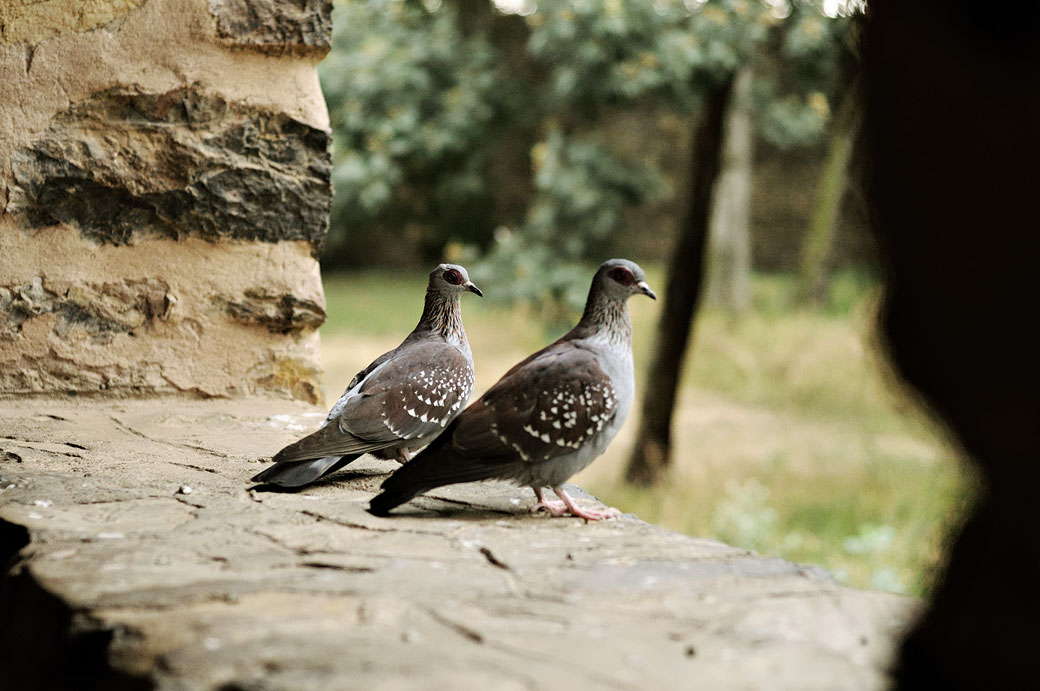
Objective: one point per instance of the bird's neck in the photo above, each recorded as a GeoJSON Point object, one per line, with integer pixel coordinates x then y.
{"type": "Point", "coordinates": [606, 317]}
{"type": "Point", "coordinates": [442, 315]}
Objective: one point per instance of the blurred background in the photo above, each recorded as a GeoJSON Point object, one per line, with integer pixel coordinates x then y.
{"type": "Point", "coordinates": [532, 139]}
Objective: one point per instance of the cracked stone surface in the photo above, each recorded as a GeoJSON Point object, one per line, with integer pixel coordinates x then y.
{"type": "Point", "coordinates": [139, 557]}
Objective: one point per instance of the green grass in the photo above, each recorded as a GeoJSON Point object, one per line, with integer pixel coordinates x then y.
{"type": "Point", "coordinates": [791, 436]}
{"type": "Point", "coordinates": [372, 303]}
{"type": "Point", "coordinates": [881, 526]}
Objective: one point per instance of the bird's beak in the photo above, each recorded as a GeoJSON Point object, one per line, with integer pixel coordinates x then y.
{"type": "Point", "coordinates": [468, 285]}
{"type": "Point", "coordinates": [645, 290]}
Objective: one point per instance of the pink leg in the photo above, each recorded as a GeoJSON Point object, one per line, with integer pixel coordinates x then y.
{"type": "Point", "coordinates": [404, 456]}
{"type": "Point", "coordinates": [580, 512]}
{"type": "Point", "coordinates": [556, 508]}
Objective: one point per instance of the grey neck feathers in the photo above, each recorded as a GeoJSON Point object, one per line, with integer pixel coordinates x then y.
{"type": "Point", "coordinates": [442, 315]}
{"type": "Point", "coordinates": [606, 316]}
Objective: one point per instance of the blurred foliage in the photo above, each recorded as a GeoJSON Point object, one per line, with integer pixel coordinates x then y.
{"type": "Point", "coordinates": [604, 52]}
{"type": "Point", "coordinates": [581, 191]}
{"type": "Point", "coordinates": [410, 102]}
{"type": "Point", "coordinates": [802, 70]}
{"type": "Point", "coordinates": [424, 97]}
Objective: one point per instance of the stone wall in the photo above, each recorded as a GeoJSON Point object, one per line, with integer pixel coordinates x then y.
{"type": "Point", "coordinates": [164, 192]}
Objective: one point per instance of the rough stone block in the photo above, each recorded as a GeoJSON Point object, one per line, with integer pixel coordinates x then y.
{"type": "Point", "coordinates": [275, 26]}
{"type": "Point", "coordinates": [164, 194]}
{"type": "Point", "coordinates": [29, 22]}
{"type": "Point", "coordinates": [183, 162]}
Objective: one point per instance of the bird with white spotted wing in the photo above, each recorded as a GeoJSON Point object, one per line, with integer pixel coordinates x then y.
{"type": "Point", "coordinates": [400, 402]}
{"type": "Point", "coordinates": [546, 418]}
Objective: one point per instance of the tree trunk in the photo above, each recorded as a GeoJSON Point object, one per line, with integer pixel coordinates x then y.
{"type": "Point", "coordinates": [729, 243]}
{"type": "Point", "coordinates": [823, 226]}
{"type": "Point", "coordinates": [651, 455]}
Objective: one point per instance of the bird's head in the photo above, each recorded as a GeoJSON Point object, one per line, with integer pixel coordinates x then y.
{"type": "Point", "coordinates": [622, 278]}
{"type": "Point", "coordinates": [452, 279]}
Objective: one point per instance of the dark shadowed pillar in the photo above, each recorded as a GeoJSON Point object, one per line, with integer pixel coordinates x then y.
{"type": "Point", "coordinates": [951, 124]}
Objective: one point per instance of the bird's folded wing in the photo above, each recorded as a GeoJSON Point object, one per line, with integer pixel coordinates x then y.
{"type": "Point", "coordinates": [412, 396]}
{"type": "Point", "coordinates": [330, 440]}
{"type": "Point", "coordinates": [551, 405]}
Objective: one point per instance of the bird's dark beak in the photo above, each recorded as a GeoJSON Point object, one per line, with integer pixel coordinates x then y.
{"type": "Point", "coordinates": [473, 289]}
{"type": "Point", "coordinates": [645, 290]}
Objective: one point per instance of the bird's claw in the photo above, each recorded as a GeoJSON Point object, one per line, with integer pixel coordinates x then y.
{"type": "Point", "coordinates": [590, 515]}
{"type": "Point", "coordinates": [554, 508]}
{"type": "Point", "coordinates": [558, 508]}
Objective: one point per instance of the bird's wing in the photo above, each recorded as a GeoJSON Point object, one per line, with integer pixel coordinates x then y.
{"type": "Point", "coordinates": [412, 396]}
{"type": "Point", "coordinates": [407, 394]}
{"type": "Point", "coordinates": [548, 406]}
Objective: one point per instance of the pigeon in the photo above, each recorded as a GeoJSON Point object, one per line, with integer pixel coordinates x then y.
{"type": "Point", "coordinates": [546, 418]}
{"type": "Point", "coordinates": [401, 401]}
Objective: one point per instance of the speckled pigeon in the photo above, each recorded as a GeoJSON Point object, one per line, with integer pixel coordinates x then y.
{"type": "Point", "coordinates": [400, 402]}
{"type": "Point", "coordinates": [549, 416]}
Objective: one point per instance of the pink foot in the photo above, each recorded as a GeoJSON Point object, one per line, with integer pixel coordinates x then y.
{"type": "Point", "coordinates": [561, 508]}
{"type": "Point", "coordinates": [555, 508]}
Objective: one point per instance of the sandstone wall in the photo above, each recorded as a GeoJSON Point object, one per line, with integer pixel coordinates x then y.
{"type": "Point", "coordinates": [164, 192]}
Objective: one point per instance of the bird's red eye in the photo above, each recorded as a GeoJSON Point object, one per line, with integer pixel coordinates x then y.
{"type": "Point", "coordinates": [453, 277]}
{"type": "Point", "coordinates": [623, 276]}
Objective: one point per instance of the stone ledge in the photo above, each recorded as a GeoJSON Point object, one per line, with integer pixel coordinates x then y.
{"type": "Point", "coordinates": [120, 576]}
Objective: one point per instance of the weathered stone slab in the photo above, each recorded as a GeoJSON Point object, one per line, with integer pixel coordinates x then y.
{"type": "Point", "coordinates": [157, 317]}
{"type": "Point", "coordinates": [140, 558]}
{"type": "Point", "coordinates": [29, 22]}
{"type": "Point", "coordinates": [275, 26]}
{"type": "Point", "coordinates": [278, 313]}
{"type": "Point", "coordinates": [179, 163]}
{"type": "Point", "coordinates": [100, 309]}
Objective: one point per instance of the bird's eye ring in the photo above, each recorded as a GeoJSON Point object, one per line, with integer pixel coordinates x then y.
{"type": "Point", "coordinates": [623, 276]}
{"type": "Point", "coordinates": [453, 277]}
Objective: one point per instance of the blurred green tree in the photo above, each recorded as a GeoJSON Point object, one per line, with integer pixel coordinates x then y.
{"type": "Point", "coordinates": [439, 110]}
{"type": "Point", "coordinates": [597, 59]}
{"type": "Point", "coordinates": [453, 119]}
{"type": "Point", "coordinates": [411, 102]}
{"type": "Point", "coordinates": [806, 67]}
{"type": "Point", "coordinates": [785, 123]}
{"type": "Point", "coordinates": [823, 61]}
{"type": "Point", "coordinates": [728, 269]}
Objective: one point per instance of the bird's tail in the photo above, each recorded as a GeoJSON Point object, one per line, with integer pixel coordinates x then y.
{"type": "Point", "coordinates": [436, 466]}
{"type": "Point", "coordinates": [299, 473]}
{"type": "Point", "coordinates": [396, 493]}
